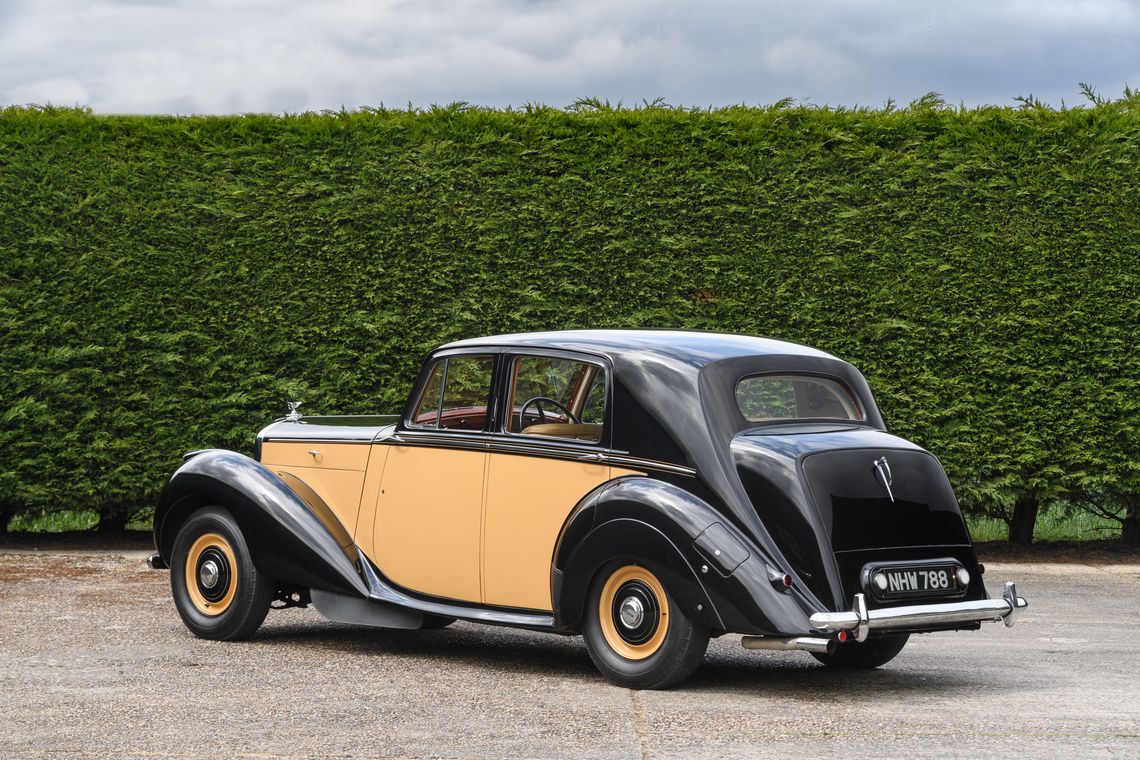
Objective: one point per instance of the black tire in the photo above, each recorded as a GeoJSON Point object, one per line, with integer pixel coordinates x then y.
{"type": "Point", "coordinates": [660, 651]}
{"type": "Point", "coordinates": [235, 606]}
{"type": "Point", "coordinates": [435, 622]}
{"type": "Point", "coordinates": [865, 654]}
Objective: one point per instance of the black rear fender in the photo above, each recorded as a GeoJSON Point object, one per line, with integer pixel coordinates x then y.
{"type": "Point", "coordinates": [631, 541]}
{"type": "Point", "coordinates": [705, 560]}
{"type": "Point", "coordinates": [292, 535]}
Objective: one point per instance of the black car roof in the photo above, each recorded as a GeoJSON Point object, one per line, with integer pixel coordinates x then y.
{"type": "Point", "coordinates": [674, 390]}
{"type": "Point", "coordinates": [690, 346]}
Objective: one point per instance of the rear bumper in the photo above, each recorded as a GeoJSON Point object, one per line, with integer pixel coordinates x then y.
{"type": "Point", "coordinates": [862, 621]}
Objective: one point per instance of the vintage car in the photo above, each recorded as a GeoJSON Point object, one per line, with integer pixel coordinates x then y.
{"type": "Point", "coordinates": [646, 489]}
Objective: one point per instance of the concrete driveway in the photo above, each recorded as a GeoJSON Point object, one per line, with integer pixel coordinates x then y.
{"type": "Point", "coordinates": [94, 662]}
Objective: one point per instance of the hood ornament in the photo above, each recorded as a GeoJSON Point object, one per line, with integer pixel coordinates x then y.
{"type": "Point", "coordinates": [293, 414]}
{"type": "Point", "coordinates": [883, 469]}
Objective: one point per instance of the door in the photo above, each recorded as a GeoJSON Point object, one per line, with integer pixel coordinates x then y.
{"type": "Point", "coordinates": [426, 535]}
{"type": "Point", "coordinates": [556, 410]}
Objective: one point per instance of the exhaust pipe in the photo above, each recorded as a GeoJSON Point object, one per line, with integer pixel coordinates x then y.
{"type": "Point", "coordinates": [790, 643]}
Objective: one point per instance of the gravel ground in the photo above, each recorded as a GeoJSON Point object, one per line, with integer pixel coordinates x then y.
{"type": "Point", "coordinates": [94, 662]}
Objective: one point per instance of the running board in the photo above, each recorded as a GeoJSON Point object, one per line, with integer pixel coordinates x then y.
{"type": "Point", "coordinates": [380, 591]}
{"type": "Point", "coordinates": [341, 608]}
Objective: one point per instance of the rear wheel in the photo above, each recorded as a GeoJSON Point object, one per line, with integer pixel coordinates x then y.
{"type": "Point", "coordinates": [635, 632]}
{"type": "Point", "coordinates": [865, 654]}
{"type": "Point", "coordinates": [218, 592]}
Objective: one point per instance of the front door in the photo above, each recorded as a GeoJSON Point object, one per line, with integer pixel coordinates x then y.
{"type": "Point", "coordinates": [429, 510]}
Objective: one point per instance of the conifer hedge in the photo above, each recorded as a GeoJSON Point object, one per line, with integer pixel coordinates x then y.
{"type": "Point", "coordinates": [166, 283]}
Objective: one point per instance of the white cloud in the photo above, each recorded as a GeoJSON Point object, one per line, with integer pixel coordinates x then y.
{"type": "Point", "coordinates": [64, 91]}
{"type": "Point", "coordinates": [810, 63]}
{"type": "Point", "coordinates": [219, 56]}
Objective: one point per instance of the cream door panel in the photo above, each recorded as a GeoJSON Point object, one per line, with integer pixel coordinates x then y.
{"type": "Point", "coordinates": [426, 536]}
{"type": "Point", "coordinates": [528, 501]}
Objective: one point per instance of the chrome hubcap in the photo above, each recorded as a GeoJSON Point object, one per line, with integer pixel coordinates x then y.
{"type": "Point", "coordinates": [209, 574]}
{"type": "Point", "coordinates": [632, 612]}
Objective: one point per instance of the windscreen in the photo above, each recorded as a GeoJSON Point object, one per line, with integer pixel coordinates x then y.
{"type": "Point", "coordinates": [770, 398]}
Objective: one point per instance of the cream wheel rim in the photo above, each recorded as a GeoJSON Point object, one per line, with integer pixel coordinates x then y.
{"type": "Point", "coordinates": [634, 612]}
{"type": "Point", "coordinates": [211, 574]}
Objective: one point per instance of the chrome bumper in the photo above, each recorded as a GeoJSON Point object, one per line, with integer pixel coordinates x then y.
{"type": "Point", "coordinates": [862, 621]}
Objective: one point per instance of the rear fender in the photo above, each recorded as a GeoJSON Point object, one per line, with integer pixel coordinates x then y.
{"type": "Point", "coordinates": [708, 561]}
{"type": "Point", "coordinates": [632, 541]}
{"type": "Point", "coordinates": [292, 535]}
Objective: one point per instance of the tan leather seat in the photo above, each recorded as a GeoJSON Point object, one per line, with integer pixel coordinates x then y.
{"type": "Point", "coordinates": [583, 432]}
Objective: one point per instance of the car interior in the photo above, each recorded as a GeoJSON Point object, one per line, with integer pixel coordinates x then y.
{"type": "Point", "coordinates": [550, 397]}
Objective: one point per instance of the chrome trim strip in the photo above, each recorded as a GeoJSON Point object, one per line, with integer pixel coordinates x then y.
{"type": "Point", "coordinates": [651, 464]}
{"type": "Point", "coordinates": [412, 438]}
{"type": "Point", "coordinates": [584, 453]}
{"type": "Point", "coordinates": [346, 441]}
{"type": "Point", "coordinates": [919, 615]}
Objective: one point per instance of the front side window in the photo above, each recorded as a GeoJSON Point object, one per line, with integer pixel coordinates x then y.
{"type": "Point", "coordinates": [457, 394]}
{"type": "Point", "coordinates": [770, 398]}
{"type": "Point", "coordinates": [557, 397]}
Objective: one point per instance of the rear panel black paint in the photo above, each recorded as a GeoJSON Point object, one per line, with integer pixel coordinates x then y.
{"type": "Point", "coordinates": [858, 512]}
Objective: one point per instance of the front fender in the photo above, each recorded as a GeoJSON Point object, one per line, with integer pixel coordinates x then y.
{"type": "Point", "coordinates": [712, 562]}
{"type": "Point", "coordinates": [292, 535]}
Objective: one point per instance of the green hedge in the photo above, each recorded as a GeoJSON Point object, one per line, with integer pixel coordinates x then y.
{"type": "Point", "coordinates": [166, 283]}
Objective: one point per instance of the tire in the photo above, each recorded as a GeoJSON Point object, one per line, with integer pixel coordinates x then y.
{"type": "Point", "coordinates": [210, 546]}
{"type": "Point", "coordinates": [655, 645]}
{"type": "Point", "coordinates": [866, 654]}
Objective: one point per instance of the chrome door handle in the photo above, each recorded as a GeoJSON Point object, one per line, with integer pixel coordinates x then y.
{"type": "Point", "coordinates": [315, 453]}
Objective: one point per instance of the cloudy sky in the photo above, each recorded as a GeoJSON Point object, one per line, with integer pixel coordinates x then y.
{"type": "Point", "coordinates": [232, 56]}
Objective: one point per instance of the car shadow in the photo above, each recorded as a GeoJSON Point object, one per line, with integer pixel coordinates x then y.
{"type": "Point", "coordinates": [796, 676]}
{"type": "Point", "coordinates": [472, 645]}
{"type": "Point", "coordinates": [789, 675]}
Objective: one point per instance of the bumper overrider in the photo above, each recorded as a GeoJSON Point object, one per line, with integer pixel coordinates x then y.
{"type": "Point", "coordinates": [859, 622]}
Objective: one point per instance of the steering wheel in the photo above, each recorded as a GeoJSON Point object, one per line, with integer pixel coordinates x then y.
{"type": "Point", "coordinates": [537, 402]}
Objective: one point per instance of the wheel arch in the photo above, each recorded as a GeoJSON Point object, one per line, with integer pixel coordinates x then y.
{"type": "Point", "coordinates": [641, 520]}
{"type": "Point", "coordinates": [292, 535]}
{"type": "Point", "coordinates": [676, 533]}
{"type": "Point", "coordinates": [628, 541]}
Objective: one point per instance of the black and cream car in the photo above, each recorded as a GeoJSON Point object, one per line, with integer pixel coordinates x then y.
{"type": "Point", "coordinates": [645, 489]}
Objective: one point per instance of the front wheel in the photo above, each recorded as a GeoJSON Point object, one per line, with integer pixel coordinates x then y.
{"type": "Point", "coordinates": [865, 654]}
{"type": "Point", "coordinates": [635, 632]}
{"type": "Point", "coordinates": [218, 592]}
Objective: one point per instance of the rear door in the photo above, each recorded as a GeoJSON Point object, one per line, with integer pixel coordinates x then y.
{"type": "Point", "coordinates": [539, 468]}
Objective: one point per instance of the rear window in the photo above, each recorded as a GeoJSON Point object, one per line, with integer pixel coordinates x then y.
{"type": "Point", "coordinates": [768, 398]}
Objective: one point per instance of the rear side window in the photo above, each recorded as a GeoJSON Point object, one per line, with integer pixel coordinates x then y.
{"type": "Point", "coordinates": [559, 398]}
{"type": "Point", "coordinates": [457, 394]}
{"type": "Point", "coordinates": [768, 398]}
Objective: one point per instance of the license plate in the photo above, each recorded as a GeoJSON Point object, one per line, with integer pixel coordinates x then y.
{"type": "Point", "coordinates": [920, 581]}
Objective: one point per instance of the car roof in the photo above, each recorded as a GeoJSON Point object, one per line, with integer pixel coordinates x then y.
{"type": "Point", "coordinates": [691, 346]}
